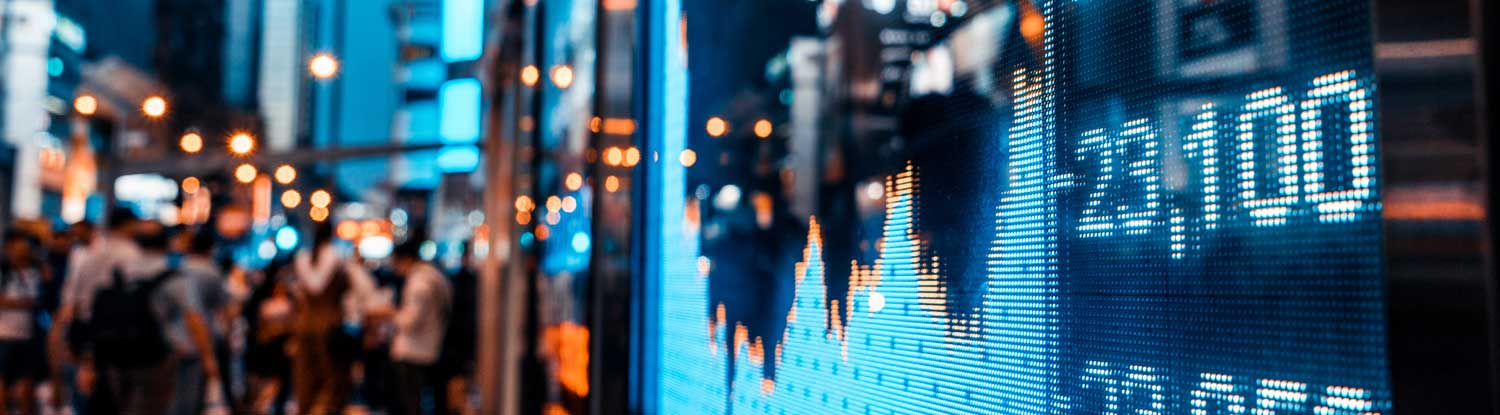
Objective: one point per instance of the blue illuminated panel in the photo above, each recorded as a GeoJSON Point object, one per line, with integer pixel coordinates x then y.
{"type": "Point", "coordinates": [1202, 236]}
{"type": "Point", "coordinates": [459, 103]}
{"type": "Point", "coordinates": [463, 30]}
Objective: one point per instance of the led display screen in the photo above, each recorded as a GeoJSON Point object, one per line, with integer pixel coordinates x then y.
{"type": "Point", "coordinates": [1022, 207]}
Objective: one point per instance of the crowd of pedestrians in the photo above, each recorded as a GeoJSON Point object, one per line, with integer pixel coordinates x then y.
{"type": "Point", "coordinates": [138, 318]}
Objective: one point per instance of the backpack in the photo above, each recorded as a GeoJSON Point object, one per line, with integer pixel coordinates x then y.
{"type": "Point", "coordinates": [124, 330]}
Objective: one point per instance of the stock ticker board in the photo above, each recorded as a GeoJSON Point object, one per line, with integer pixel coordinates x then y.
{"type": "Point", "coordinates": [1201, 236]}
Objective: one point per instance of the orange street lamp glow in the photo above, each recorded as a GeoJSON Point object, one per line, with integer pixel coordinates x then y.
{"type": "Point", "coordinates": [562, 76]}
{"type": "Point", "coordinates": [241, 144]}
{"type": "Point", "coordinates": [86, 105]}
{"type": "Point", "coordinates": [632, 156]}
{"type": "Point", "coordinates": [717, 127]}
{"type": "Point", "coordinates": [574, 181]}
{"type": "Point", "coordinates": [190, 185]}
{"type": "Point", "coordinates": [245, 173]}
{"type": "Point", "coordinates": [318, 214]}
{"type": "Point", "coordinates": [763, 128]}
{"type": "Point", "coordinates": [320, 198]}
{"type": "Point", "coordinates": [530, 75]}
{"type": "Point", "coordinates": [688, 158]}
{"type": "Point", "coordinates": [286, 174]}
{"type": "Point", "coordinates": [290, 199]}
{"type": "Point", "coordinates": [154, 107]}
{"type": "Point", "coordinates": [613, 156]}
{"type": "Point", "coordinates": [191, 143]}
{"type": "Point", "coordinates": [323, 66]}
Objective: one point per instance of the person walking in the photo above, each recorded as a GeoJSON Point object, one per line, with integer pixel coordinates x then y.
{"type": "Point", "coordinates": [91, 265]}
{"type": "Point", "coordinates": [419, 323]}
{"type": "Point", "coordinates": [134, 314]}
{"type": "Point", "coordinates": [20, 352]}
{"type": "Point", "coordinates": [326, 292]}
{"type": "Point", "coordinates": [194, 294]}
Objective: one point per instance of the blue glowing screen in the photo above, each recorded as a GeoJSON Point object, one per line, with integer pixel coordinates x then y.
{"type": "Point", "coordinates": [1024, 207]}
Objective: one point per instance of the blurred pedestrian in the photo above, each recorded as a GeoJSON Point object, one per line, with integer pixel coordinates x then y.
{"type": "Point", "coordinates": [92, 265]}
{"type": "Point", "coordinates": [268, 316]}
{"type": "Point", "coordinates": [190, 303]}
{"type": "Point", "coordinates": [20, 351]}
{"type": "Point", "coordinates": [419, 323]}
{"type": "Point", "coordinates": [455, 368]}
{"type": "Point", "coordinates": [134, 316]}
{"type": "Point", "coordinates": [327, 291]}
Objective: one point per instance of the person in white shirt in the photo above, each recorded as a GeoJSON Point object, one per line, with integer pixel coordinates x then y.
{"type": "Point", "coordinates": [419, 323]}
{"type": "Point", "coordinates": [20, 353]}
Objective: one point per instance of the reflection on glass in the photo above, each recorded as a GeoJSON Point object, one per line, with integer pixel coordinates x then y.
{"type": "Point", "coordinates": [1024, 207]}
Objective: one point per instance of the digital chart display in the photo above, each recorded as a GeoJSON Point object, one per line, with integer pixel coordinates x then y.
{"type": "Point", "coordinates": [1125, 207]}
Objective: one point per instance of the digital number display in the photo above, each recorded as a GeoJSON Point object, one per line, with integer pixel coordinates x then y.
{"type": "Point", "coordinates": [1130, 207]}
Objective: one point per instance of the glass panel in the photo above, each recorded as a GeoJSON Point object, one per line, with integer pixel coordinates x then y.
{"type": "Point", "coordinates": [1023, 207]}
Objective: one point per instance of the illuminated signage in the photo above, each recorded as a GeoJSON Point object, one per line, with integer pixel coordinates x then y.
{"type": "Point", "coordinates": [1069, 230]}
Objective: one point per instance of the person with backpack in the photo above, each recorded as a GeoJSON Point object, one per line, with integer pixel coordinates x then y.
{"type": "Point", "coordinates": [419, 323]}
{"type": "Point", "coordinates": [124, 330]}
{"type": "Point", "coordinates": [20, 352]}
{"type": "Point", "coordinates": [91, 266]}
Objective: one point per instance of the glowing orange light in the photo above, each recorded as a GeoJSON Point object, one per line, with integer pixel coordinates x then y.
{"type": "Point", "coordinates": [245, 173]}
{"type": "Point", "coordinates": [190, 185]}
{"type": "Point", "coordinates": [323, 66]}
{"type": "Point", "coordinates": [574, 181]}
{"type": "Point", "coordinates": [632, 156]}
{"type": "Point", "coordinates": [320, 198]}
{"type": "Point", "coordinates": [717, 127]}
{"type": "Point", "coordinates": [613, 156]}
{"type": "Point", "coordinates": [529, 75]}
{"type": "Point", "coordinates": [688, 158]}
{"type": "Point", "coordinates": [154, 106]}
{"type": "Point", "coordinates": [524, 203]}
{"type": "Point", "coordinates": [596, 124]}
{"type": "Point", "coordinates": [191, 143]}
{"type": "Point", "coordinates": [611, 184]}
{"type": "Point", "coordinates": [347, 230]}
{"type": "Point", "coordinates": [619, 126]}
{"type": "Point", "coordinates": [318, 214]}
{"type": "Point", "coordinates": [241, 144]}
{"type": "Point", "coordinates": [763, 128]}
{"type": "Point", "coordinates": [290, 199]}
{"type": "Point", "coordinates": [369, 227]}
{"type": "Point", "coordinates": [86, 105]}
{"type": "Point", "coordinates": [543, 232]}
{"type": "Point", "coordinates": [285, 174]}
{"type": "Point", "coordinates": [523, 217]}
{"type": "Point", "coordinates": [562, 76]}
{"type": "Point", "coordinates": [554, 203]}
{"type": "Point", "coordinates": [569, 204]}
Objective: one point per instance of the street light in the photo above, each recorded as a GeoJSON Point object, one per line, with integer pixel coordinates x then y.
{"type": "Point", "coordinates": [529, 75]}
{"type": "Point", "coordinates": [241, 144]}
{"type": "Point", "coordinates": [717, 127]}
{"type": "Point", "coordinates": [763, 128]}
{"type": "Point", "coordinates": [290, 199]}
{"type": "Point", "coordinates": [320, 198]}
{"type": "Point", "coordinates": [86, 105]}
{"type": "Point", "coordinates": [286, 174]}
{"type": "Point", "coordinates": [154, 106]}
{"type": "Point", "coordinates": [245, 173]}
{"type": "Point", "coordinates": [562, 76]}
{"type": "Point", "coordinates": [191, 143]}
{"type": "Point", "coordinates": [190, 185]}
{"type": "Point", "coordinates": [323, 66]}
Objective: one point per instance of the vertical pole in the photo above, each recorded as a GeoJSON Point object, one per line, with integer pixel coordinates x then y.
{"type": "Point", "coordinates": [1485, 90]}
